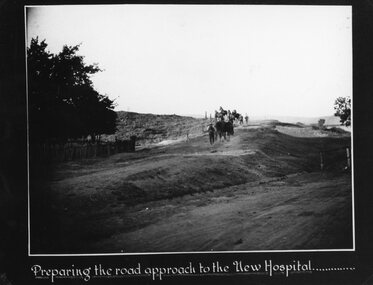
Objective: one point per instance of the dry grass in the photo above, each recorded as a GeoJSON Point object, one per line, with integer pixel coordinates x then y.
{"type": "Point", "coordinates": [149, 128]}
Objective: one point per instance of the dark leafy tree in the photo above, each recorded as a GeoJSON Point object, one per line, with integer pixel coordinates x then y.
{"type": "Point", "coordinates": [321, 123]}
{"type": "Point", "coordinates": [342, 107]}
{"type": "Point", "coordinates": [63, 103]}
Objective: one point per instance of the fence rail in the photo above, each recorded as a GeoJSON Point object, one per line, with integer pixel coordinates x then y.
{"type": "Point", "coordinates": [79, 150]}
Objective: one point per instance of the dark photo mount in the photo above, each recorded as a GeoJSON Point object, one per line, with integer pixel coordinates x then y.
{"type": "Point", "coordinates": [15, 261]}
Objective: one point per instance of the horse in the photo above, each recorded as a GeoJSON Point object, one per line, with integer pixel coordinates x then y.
{"type": "Point", "coordinates": [219, 116]}
{"type": "Point", "coordinates": [229, 128]}
{"type": "Point", "coordinates": [224, 129]}
{"type": "Point", "coordinates": [223, 112]}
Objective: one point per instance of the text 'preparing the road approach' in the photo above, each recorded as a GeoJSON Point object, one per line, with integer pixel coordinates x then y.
{"type": "Point", "coordinates": [267, 267]}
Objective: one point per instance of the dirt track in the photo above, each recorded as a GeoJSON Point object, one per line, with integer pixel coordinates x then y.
{"type": "Point", "coordinates": [262, 190]}
{"type": "Point", "coordinates": [294, 213]}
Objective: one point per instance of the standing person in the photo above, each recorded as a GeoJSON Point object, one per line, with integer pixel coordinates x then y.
{"type": "Point", "coordinates": [247, 119]}
{"type": "Point", "coordinates": [211, 131]}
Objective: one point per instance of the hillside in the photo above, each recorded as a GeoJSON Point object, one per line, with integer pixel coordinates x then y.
{"type": "Point", "coordinates": [329, 120]}
{"type": "Point", "coordinates": [261, 190]}
{"type": "Point", "coordinates": [150, 128]}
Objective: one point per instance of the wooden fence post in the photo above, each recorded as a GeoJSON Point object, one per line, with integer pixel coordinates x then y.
{"type": "Point", "coordinates": [348, 157]}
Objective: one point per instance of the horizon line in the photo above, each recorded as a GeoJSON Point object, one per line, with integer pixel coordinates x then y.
{"type": "Point", "coordinates": [203, 115]}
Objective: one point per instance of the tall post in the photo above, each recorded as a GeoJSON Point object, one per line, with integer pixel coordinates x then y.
{"type": "Point", "coordinates": [133, 143]}
{"type": "Point", "coordinates": [348, 157]}
{"type": "Point", "coordinates": [321, 161]}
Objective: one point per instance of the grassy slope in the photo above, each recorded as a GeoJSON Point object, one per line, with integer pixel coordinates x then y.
{"type": "Point", "coordinates": [149, 128]}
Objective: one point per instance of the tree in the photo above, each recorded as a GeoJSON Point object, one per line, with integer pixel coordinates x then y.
{"type": "Point", "coordinates": [342, 107]}
{"type": "Point", "coordinates": [321, 123]}
{"type": "Point", "coordinates": [62, 100]}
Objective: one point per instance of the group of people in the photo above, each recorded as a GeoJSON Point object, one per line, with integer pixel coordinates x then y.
{"type": "Point", "coordinates": [224, 116]}
{"type": "Point", "coordinates": [228, 116]}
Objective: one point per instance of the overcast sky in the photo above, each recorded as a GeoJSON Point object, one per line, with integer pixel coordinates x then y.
{"type": "Point", "coordinates": [188, 59]}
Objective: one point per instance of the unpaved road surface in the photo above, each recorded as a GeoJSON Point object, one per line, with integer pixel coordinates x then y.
{"type": "Point", "coordinates": [294, 213]}
{"type": "Point", "coordinates": [261, 190]}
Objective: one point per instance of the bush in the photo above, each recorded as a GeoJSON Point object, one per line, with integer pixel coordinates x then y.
{"type": "Point", "coordinates": [321, 124]}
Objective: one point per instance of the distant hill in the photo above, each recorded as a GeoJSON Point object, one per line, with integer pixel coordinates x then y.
{"type": "Point", "coordinates": [329, 120]}
{"type": "Point", "coordinates": [151, 128]}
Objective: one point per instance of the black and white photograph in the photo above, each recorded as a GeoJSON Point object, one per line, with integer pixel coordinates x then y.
{"type": "Point", "coordinates": [160, 129]}
{"type": "Point", "coordinates": [197, 142]}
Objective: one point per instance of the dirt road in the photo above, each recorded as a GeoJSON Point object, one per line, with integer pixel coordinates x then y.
{"type": "Point", "coordinates": [292, 213]}
{"type": "Point", "coordinates": [262, 190]}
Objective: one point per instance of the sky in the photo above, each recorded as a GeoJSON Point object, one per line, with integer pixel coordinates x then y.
{"type": "Point", "coordinates": [190, 59]}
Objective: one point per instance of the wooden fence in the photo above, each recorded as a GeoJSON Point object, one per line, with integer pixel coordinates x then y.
{"type": "Point", "coordinates": [81, 150]}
